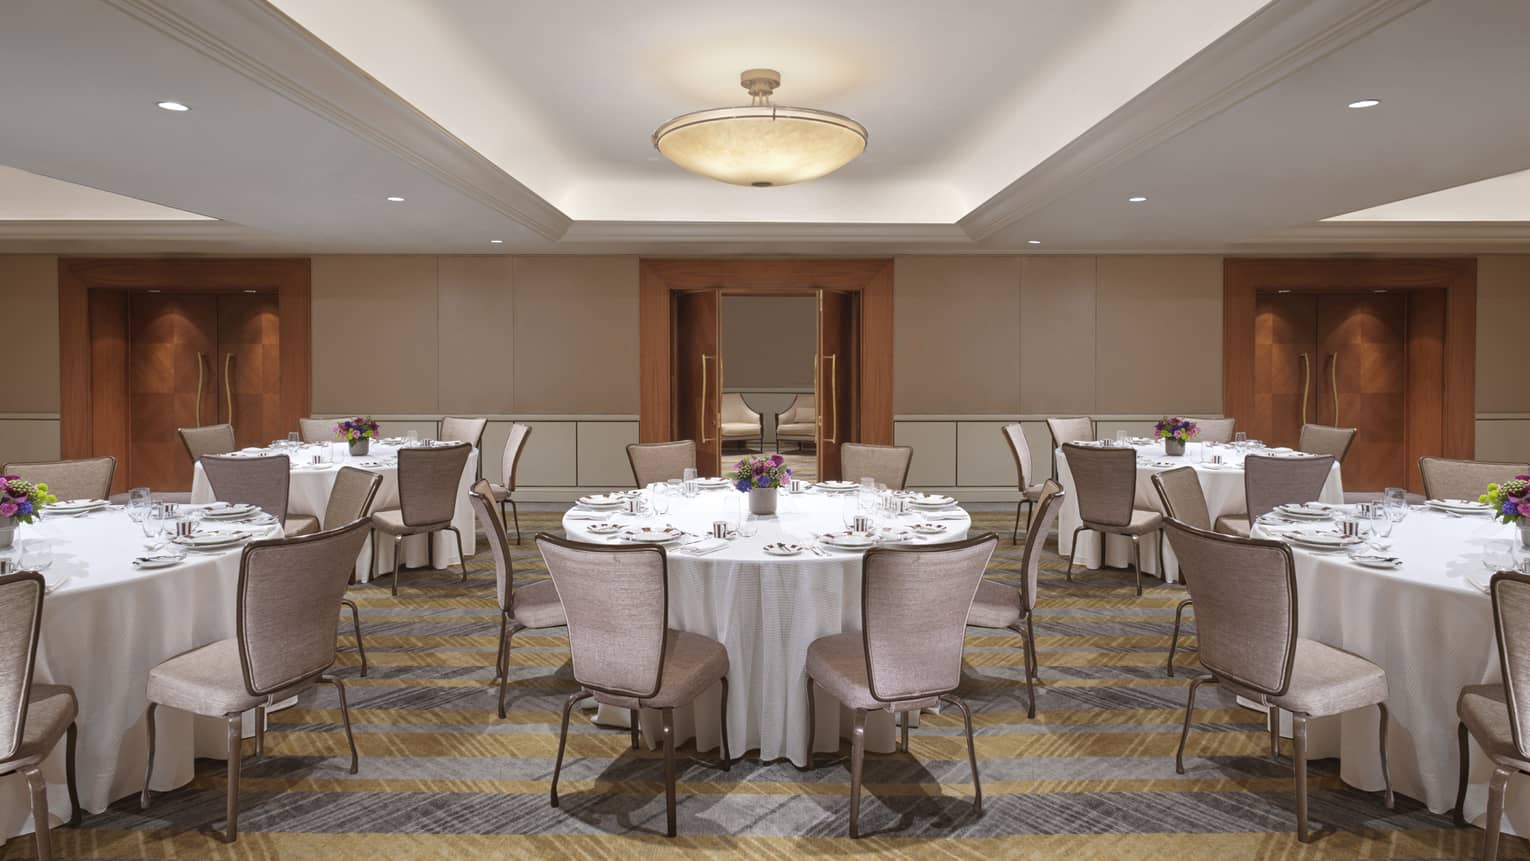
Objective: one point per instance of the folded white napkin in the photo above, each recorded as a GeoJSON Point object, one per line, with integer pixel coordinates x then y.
{"type": "Point", "coordinates": [577, 514]}
{"type": "Point", "coordinates": [705, 546]}
{"type": "Point", "coordinates": [949, 514]}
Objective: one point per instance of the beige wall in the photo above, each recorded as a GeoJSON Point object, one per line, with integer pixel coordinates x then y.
{"type": "Point", "coordinates": [29, 387]}
{"type": "Point", "coordinates": [768, 342]}
{"type": "Point", "coordinates": [1503, 384]}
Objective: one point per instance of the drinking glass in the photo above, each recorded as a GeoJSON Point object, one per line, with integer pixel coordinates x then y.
{"type": "Point", "coordinates": [36, 555]}
{"type": "Point", "coordinates": [1498, 554]}
{"type": "Point", "coordinates": [659, 498]}
{"type": "Point", "coordinates": [688, 481]}
{"type": "Point", "coordinates": [411, 438]}
{"type": "Point", "coordinates": [676, 488]}
{"type": "Point", "coordinates": [1121, 438]}
{"type": "Point", "coordinates": [748, 526]}
{"type": "Point", "coordinates": [153, 519]}
{"type": "Point", "coordinates": [1396, 503]}
{"type": "Point", "coordinates": [1381, 521]}
{"type": "Point", "coordinates": [293, 439]}
{"type": "Point", "coordinates": [868, 483]}
{"type": "Point", "coordinates": [1240, 439]}
{"type": "Point", "coordinates": [138, 501]}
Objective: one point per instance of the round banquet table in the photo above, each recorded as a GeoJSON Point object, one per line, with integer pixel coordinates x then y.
{"type": "Point", "coordinates": [766, 610]}
{"type": "Point", "coordinates": [1429, 625]}
{"type": "Point", "coordinates": [1222, 485]}
{"type": "Point", "coordinates": [105, 624]}
{"type": "Point", "coordinates": [308, 493]}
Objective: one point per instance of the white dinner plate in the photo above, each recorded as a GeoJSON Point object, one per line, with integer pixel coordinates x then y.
{"type": "Point", "coordinates": [1304, 510]}
{"type": "Point", "coordinates": [606, 528]}
{"type": "Point", "coordinates": [209, 540]}
{"type": "Point", "coordinates": [714, 481]}
{"type": "Point", "coordinates": [849, 540]}
{"type": "Point", "coordinates": [1322, 538]}
{"type": "Point", "coordinates": [1461, 506]}
{"type": "Point", "coordinates": [602, 500]}
{"type": "Point", "coordinates": [75, 506]}
{"type": "Point", "coordinates": [158, 560]}
{"type": "Point", "coordinates": [895, 535]}
{"type": "Point", "coordinates": [652, 534]}
{"type": "Point", "coordinates": [931, 500]}
{"type": "Point", "coordinates": [779, 548]}
{"type": "Point", "coordinates": [1375, 560]}
{"type": "Point", "coordinates": [838, 486]}
{"type": "Point", "coordinates": [927, 528]}
{"type": "Point", "coordinates": [230, 512]}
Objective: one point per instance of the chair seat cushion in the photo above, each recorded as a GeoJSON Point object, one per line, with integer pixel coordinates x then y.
{"type": "Point", "coordinates": [1486, 714]}
{"type": "Point", "coordinates": [300, 524]}
{"type": "Point", "coordinates": [692, 663]}
{"type": "Point", "coordinates": [793, 429]}
{"type": "Point", "coordinates": [740, 429]}
{"type": "Point", "coordinates": [392, 522]}
{"type": "Point", "coordinates": [1142, 523]}
{"type": "Point", "coordinates": [1328, 681]}
{"type": "Point", "coordinates": [1233, 524]}
{"type": "Point", "coordinates": [206, 681]}
{"type": "Point", "coordinates": [49, 713]}
{"type": "Point", "coordinates": [995, 605]}
{"type": "Point", "coordinates": [838, 662]}
{"type": "Point", "coordinates": [536, 605]}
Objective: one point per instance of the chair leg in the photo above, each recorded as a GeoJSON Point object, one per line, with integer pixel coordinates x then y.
{"type": "Point", "coordinates": [71, 737]}
{"type": "Point", "coordinates": [1275, 734]}
{"type": "Point", "coordinates": [516, 513]}
{"type": "Point", "coordinates": [345, 718]}
{"type": "Point", "coordinates": [727, 756]}
{"type": "Point", "coordinates": [568, 706]}
{"type": "Point", "coordinates": [903, 731]}
{"type": "Point", "coordinates": [1137, 562]}
{"type": "Point", "coordinates": [1299, 739]}
{"type": "Point", "coordinates": [633, 721]}
{"type": "Point", "coordinates": [977, 785]}
{"type": "Point", "coordinates": [38, 788]}
{"type": "Point", "coordinates": [461, 557]}
{"type": "Point", "coordinates": [668, 717]}
{"type": "Point", "coordinates": [361, 648]}
{"type": "Point", "coordinates": [1074, 551]}
{"type": "Point", "coordinates": [1028, 637]}
{"type": "Point", "coordinates": [148, 770]}
{"type": "Point", "coordinates": [857, 755]}
{"type": "Point", "coordinates": [1184, 733]}
{"type": "Point", "coordinates": [1496, 786]}
{"type": "Point", "coordinates": [260, 733]}
{"type": "Point", "coordinates": [1179, 613]}
{"type": "Point", "coordinates": [397, 542]}
{"type": "Point", "coordinates": [812, 725]}
{"type": "Point", "coordinates": [1386, 770]}
{"type": "Point", "coordinates": [504, 664]}
{"type": "Point", "coordinates": [231, 801]}
{"type": "Point", "coordinates": [372, 557]}
{"type": "Point", "coordinates": [1459, 814]}
{"type": "Point", "coordinates": [1016, 535]}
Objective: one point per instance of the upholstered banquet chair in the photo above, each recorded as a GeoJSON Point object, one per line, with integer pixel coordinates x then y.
{"type": "Point", "coordinates": [468, 430]}
{"type": "Point", "coordinates": [1498, 715]}
{"type": "Point", "coordinates": [318, 430]}
{"type": "Point", "coordinates": [287, 603]}
{"type": "Point", "coordinates": [1324, 439]}
{"type": "Point", "coordinates": [87, 478]}
{"type": "Point", "coordinates": [1014, 435]}
{"type": "Point", "coordinates": [623, 651]}
{"type": "Point", "coordinates": [1215, 430]}
{"type": "Point", "coordinates": [1270, 482]}
{"type": "Point", "coordinates": [515, 446]}
{"type": "Point", "coordinates": [427, 499]}
{"type": "Point", "coordinates": [533, 605]}
{"type": "Point", "coordinates": [908, 654]}
{"type": "Point", "coordinates": [888, 464]}
{"type": "Point", "coordinates": [1245, 607]}
{"type": "Point", "coordinates": [1105, 485]}
{"type": "Point", "coordinates": [209, 439]}
{"type": "Point", "coordinates": [33, 717]}
{"type": "Point", "coordinates": [999, 605]}
{"type": "Point", "coordinates": [258, 481]}
{"type": "Point", "coordinates": [350, 499]}
{"type": "Point", "coordinates": [1066, 430]}
{"type": "Point", "coordinates": [739, 422]}
{"type": "Point", "coordinates": [660, 461]}
{"type": "Point", "coordinates": [1457, 479]}
{"type": "Point", "coordinates": [799, 423]}
{"type": "Point", "coordinates": [1180, 494]}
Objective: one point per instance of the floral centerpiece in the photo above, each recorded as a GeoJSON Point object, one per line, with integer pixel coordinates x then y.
{"type": "Point", "coordinates": [359, 432]}
{"type": "Point", "coordinates": [21, 501]}
{"type": "Point", "coordinates": [760, 477]}
{"type": "Point", "coordinates": [1175, 432]}
{"type": "Point", "coordinates": [1511, 504]}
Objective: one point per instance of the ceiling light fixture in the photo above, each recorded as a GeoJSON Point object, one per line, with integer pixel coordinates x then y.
{"type": "Point", "coordinates": [173, 106]}
{"type": "Point", "coordinates": [761, 144]}
{"type": "Point", "coordinates": [1365, 103]}
{"type": "Point", "coordinates": [395, 200]}
{"type": "Point", "coordinates": [1137, 199]}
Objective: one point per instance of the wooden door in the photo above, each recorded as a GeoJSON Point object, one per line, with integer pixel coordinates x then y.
{"type": "Point", "coordinates": [1362, 342]}
{"type": "Point", "coordinates": [697, 379]}
{"type": "Point", "coordinates": [172, 344]}
{"type": "Point", "coordinates": [1285, 344]}
{"type": "Point", "coordinates": [838, 380]}
{"type": "Point", "coordinates": [249, 367]}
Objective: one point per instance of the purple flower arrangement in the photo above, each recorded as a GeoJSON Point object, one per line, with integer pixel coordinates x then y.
{"type": "Point", "coordinates": [1176, 428]}
{"type": "Point", "coordinates": [22, 499]}
{"type": "Point", "coordinates": [760, 472]}
{"type": "Point", "coordinates": [1510, 500]}
{"type": "Point", "coordinates": [356, 429]}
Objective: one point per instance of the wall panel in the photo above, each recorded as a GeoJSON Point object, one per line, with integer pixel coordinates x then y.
{"type": "Point", "coordinates": [476, 320]}
{"type": "Point", "coordinates": [1057, 359]}
{"type": "Point", "coordinates": [575, 335]}
{"type": "Point", "coordinates": [956, 325]}
{"type": "Point", "coordinates": [374, 334]}
{"type": "Point", "coordinates": [934, 442]}
{"type": "Point", "coordinates": [29, 307]}
{"type": "Point", "coordinates": [603, 453]}
{"type": "Point", "coordinates": [1503, 312]}
{"type": "Point", "coordinates": [1158, 335]}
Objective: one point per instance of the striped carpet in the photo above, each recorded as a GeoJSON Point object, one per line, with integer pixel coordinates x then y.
{"type": "Point", "coordinates": [441, 777]}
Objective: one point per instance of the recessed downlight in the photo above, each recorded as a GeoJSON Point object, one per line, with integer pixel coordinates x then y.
{"type": "Point", "coordinates": [395, 200]}
{"type": "Point", "coordinates": [1137, 199]}
{"type": "Point", "coordinates": [1033, 242]}
{"type": "Point", "coordinates": [173, 106]}
{"type": "Point", "coordinates": [1365, 103]}
{"type": "Point", "coordinates": [1282, 291]}
{"type": "Point", "coordinates": [1379, 290]}
{"type": "Point", "coordinates": [496, 242]}
{"type": "Point", "coordinates": [249, 291]}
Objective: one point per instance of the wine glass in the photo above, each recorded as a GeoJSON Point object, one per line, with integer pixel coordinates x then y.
{"type": "Point", "coordinates": [1396, 504]}
{"type": "Point", "coordinates": [36, 555]}
{"type": "Point", "coordinates": [659, 498]}
{"type": "Point", "coordinates": [1240, 440]}
{"type": "Point", "coordinates": [152, 520]}
{"type": "Point", "coordinates": [1498, 554]}
{"type": "Point", "coordinates": [139, 499]}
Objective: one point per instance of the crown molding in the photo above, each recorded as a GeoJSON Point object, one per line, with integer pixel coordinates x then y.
{"type": "Point", "coordinates": [165, 230]}
{"type": "Point", "coordinates": [1458, 236]}
{"type": "Point", "coordinates": [1273, 43]}
{"type": "Point", "coordinates": [258, 41]}
{"type": "Point", "coordinates": [801, 233]}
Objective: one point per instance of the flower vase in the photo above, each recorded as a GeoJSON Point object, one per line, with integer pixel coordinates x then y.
{"type": "Point", "coordinates": [1173, 447]}
{"type": "Point", "coordinates": [8, 531]}
{"type": "Point", "coordinates": [360, 447]}
{"type": "Point", "coordinates": [762, 500]}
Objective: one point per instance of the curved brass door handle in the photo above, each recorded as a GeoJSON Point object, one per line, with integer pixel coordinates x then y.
{"type": "Point", "coordinates": [701, 409]}
{"type": "Point", "coordinates": [201, 377]}
{"type": "Point", "coordinates": [1333, 385]}
{"type": "Point", "coordinates": [1306, 384]}
{"type": "Point", "coordinates": [833, 362]}
{"type": "Point", "coordinates": [228, 385]}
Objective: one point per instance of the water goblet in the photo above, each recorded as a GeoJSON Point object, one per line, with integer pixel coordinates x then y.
{"type": "Point", "coordinates": [36, 555]}
{"type": "Point", "coordinates": [153, 520]}
{"type": "Point", "coordinates": [293, 439]}
{"type": "Point", "coordinates": [659, 498]}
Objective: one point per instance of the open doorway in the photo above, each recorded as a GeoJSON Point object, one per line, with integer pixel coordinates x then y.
{"type": "Point", "coordinates": [769, 398]}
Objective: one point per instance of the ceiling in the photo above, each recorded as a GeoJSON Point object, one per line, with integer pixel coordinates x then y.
{"type": "Point", "coordinates": [1016, 125]}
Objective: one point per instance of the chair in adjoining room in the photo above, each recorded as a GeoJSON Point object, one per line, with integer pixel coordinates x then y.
{"type": "Point", "coordinates": [1325, 439]}
{"type": "Point", "coordinates": [798, 423]}
{"type": "Point", "coordinates": [208, 439]}
{"type": "Point", "coordinates": [1068, 429]}
{"type": "Point", "coordinates": [85, 478]}
{"type": "Point", "coordinates": [468, 430]}
{"type": "Point", "coordinates": [1014, 435]}
{"type": "Point", "coordinates": [739, 423]}
{"type": "Point", "coordinates": [288, 601]}
{"type": "Point", "coordinates": [504, 492]}
{"type": "Point", "coordinates": [908, 653]}
{"type": "Point", "coordinates": [1445, 478]}
{"type": "Point", "coordinates": [318, 430]}
{"type": "Point", "coordinates": [258, 481]}
{"type": "Point", "coordinates": [1215, 430]}
{"type": "Point", "coordinates": [623, 651]}
{"type": "Point", "coordinates": [1105, 485]}
{"type": "Point", "coordinates": [1246, 621]}
{"type": "Point", "coordinates": [888, 464]}
{"type": "Point", "coordinates": [350, 499]}
{"type": "Point", "coordinates": [1180, 493]}
{"type": "Point", "coordinates": [660, 461]}
{"type": "Point", "coordinates": [33, 717]}
{"type": "Point", "coordinates": [1270, 482]}
{"type": "Point", "coordinates": [428, 479]}
{"type": "Point", "coordinates": [999, 605]}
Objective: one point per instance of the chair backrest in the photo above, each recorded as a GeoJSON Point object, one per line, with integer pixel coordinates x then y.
{"type": "Point", "coordinates": [1245, 605]}
{"type": "Point", "coordinates": [482, 499]}
{"type": "Point", "coordinates": [210, 439]}
{"type": "Point", "coordinates": [803, 409]}
{"type": "Point", "coordinates": [888, 464]}
{"type": "Point", "coordinates": [617, 603]}
{"type": "Point", "coordinates": [468, 430]}
{"type": "Point", "coordinates": [1511, 606]}
{"type": "Point", "coordinates": [289, 602]}
{"type": "Point", "coordinates": [318, 430]}
{"type": "Point", "coordinates": [914, 605]}
{"type": "Point", "coordinates": [1104, 482]}
{"type": "Point", "coordinates": [1456, 479]}
{"type": "Point", "coordinates": [1215, 430]}
{"type": "Point", "coordinates": [21, 600]}
{"type": "Point", "coordinates": [1324, 439]}
{"type": "Point", "coordinates": [258, 481]}
{"type": "Point", "coordinates": [1066, 430]}
{"type": "Point", "coordinates": [660, 461]}
{"type": "Point", "coordinates": [87, 478]}
{"type": "Point", "coordinates": [1269, 482]}
{"type": "Point", "coordinates": [427, 482]}
{"type": "Point", "coordinates": [351, 496]}
{"type": "Point", "coordinates": [1043, 520]}
{"type": "Point", "coordinates": [1179, 490]}
{"type": "Point", "coordinates": [1014, 434]}
{"type": "Point", "coordinates": [515, 446]}
{"type": "Point", "coordinates": [734, 409]}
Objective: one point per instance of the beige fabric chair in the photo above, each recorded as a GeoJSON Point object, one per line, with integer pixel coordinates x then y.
{"type": "Point", "coordinates": [1105, 484]}
{"type": "Point", "coordinates": [318, 430]}
{"type": "Point", "coordinates": [258, 481]}
{"type": "Point", "coordinates": [33, 717]}
{"type": "Point", "coordinates": [1246, 619]}
{"type": "Point", "coordinates": [1215, 430]}
{"type": "Point", "coordinates": [515, 446]}
{"type": "Point", "coordinates": [468, 430]}
{"type": "Point", "coordinates": [534, 605]}
{"type": "Point", "coordinates": [1270, 482]}
{"type": "Point", "coordinates": [999, 605]}
{"type": "Point", "coordinates": [427, 499]}
{"type": "Point", "coordinates": [210, 439]}
{"type": "Point", "coordinates": [287, 603]}
{"type": "Point", "coordinates": [1014, 436]}
{"type": "Point", "coordinates": [1180, 493]}
{"type": "Point", "coordinates": [888, 464]}
{"type": "Point", "coordinates": [623, 651]}
{"type": "Point", "coordinates": [660, 461]}
{"type": "Point", "coordinates": [1066, 430]}
{"type": "Point", "coordinates": [350, 499]}
{"type": "Point", "coordinates": [1457, 479]}
{"type": "Point", "coordinates": [1323, 439]}
{"type": "Point", "coordinates": [1498, 716]}
{"type": "Point", "coordinates": [799, 423]}
{"type": "Point", "coordinates": [87, 478]}
{"type": "Point", "coordinates": [739, 422]}
{"type": "Point", "coordinates": [908, 654]}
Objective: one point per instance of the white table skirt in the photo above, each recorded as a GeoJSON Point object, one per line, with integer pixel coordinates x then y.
{"type": "Point", "coordinates": [1222, 486]}
{"type": "Point", "coordinates": [103, 628]}
{"type": "Point", "coordinates": [1431, 629]}
{"type": "Point", "coordinates": [308, 493]}
{"type": "Point", "coordinates": [766, 610]}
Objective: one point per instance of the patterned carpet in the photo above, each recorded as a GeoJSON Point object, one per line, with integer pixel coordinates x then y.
{"type": "Point", "coordinates": [441, 777]}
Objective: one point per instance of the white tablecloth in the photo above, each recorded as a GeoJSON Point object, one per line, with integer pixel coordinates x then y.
{"type": "Point", "coordinates": [105, 625]}
{"type": "Point", "coordinates": [1223, 487]}
{"type": "Point", "coordinates": [766, 610]}
{"type": "Point", "coordinates": [1430, 627]}
{"type": "Point", "coordinates": [309, 492]}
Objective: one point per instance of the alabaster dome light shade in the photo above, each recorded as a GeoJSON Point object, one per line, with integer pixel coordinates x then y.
{"type": "Point", "coordinates": [761, 144]}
